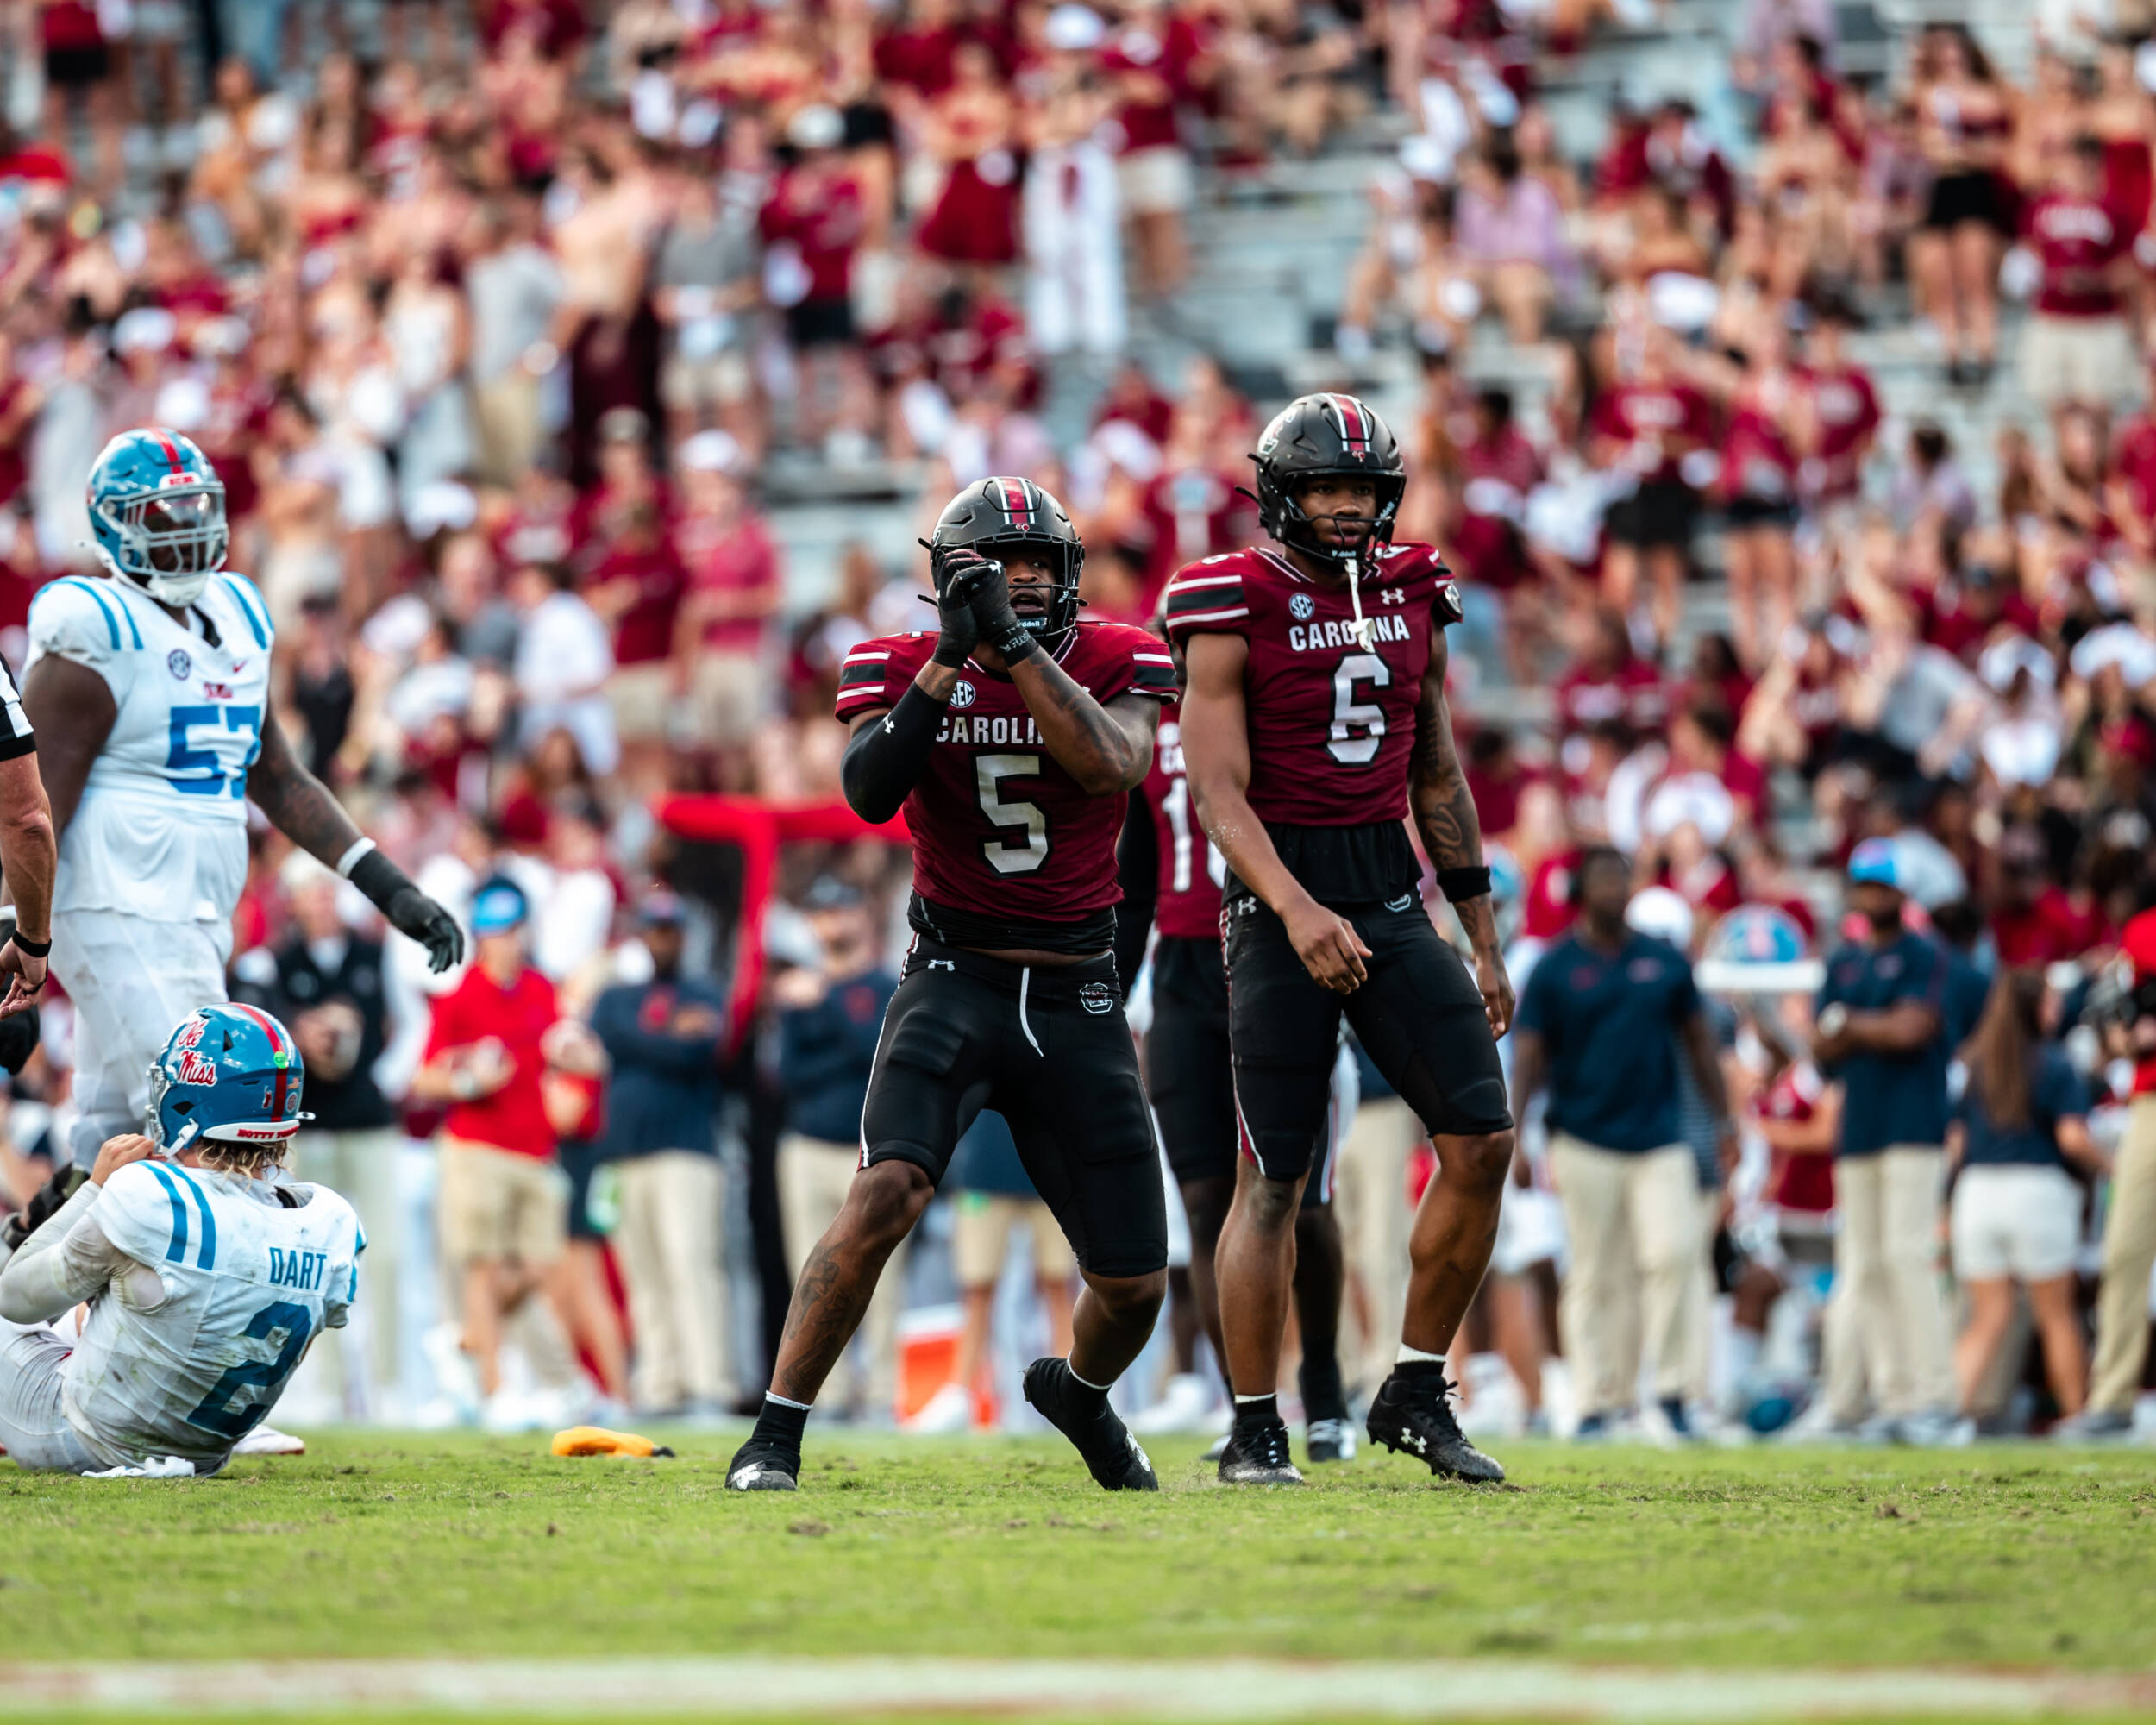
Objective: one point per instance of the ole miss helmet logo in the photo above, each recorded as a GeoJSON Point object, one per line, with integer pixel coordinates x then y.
{"type": "Point", "coordinates": [198, 1068]}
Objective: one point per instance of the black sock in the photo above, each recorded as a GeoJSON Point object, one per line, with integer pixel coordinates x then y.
{"type": "Point", "coordinates": [1081, 1396]}
{"type": "Point", "coordinates": [1256, 1413]}
{"type": "Point", "coordinates": [1323, 1397]}
{"type": "Point", "coordinates": [780, 1423]}
{"type": "Point", "coordinates": [1418, 1373]}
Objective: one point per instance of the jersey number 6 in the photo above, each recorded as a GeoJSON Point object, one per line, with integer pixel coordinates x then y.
{"type": "Point", "coordinates": [1351, 716]}
{"type": "Point", "coordinates": [1027, 849]}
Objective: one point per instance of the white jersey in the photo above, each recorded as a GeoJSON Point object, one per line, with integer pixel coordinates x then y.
{"type": "Point", "coordinates": [247, 1283]}
{"type": "Point", "coordinates": [161, 829]}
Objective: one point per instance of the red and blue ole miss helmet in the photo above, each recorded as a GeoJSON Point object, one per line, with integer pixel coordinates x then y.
{"type": "Point", "coordinates": [231, 1074]}
{"type": "Point", "coordinates": [157, 514]}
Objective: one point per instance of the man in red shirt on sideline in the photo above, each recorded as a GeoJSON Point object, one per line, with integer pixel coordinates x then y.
{"type": "Point", "coordinates": [2129, 1229]}
{"type": "Point", "coordinates": [504, 1203]}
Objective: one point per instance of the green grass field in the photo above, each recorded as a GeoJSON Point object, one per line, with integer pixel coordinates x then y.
{"type": "Point", "coordinates": [411, 1546]}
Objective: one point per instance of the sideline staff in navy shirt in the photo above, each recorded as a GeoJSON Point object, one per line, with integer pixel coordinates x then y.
{"type": "Point", "coordinates": [1602, 1020]}
{"type": "Point", "coordinates": [1881, 1033]}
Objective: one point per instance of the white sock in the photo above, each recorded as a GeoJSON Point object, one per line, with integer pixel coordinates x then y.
{"type": "Point", "coordinates": [1254, 1398]}
{"type": "Point", "coordinates": [1409, 1356]}
{"type": "Point", "coordinates": [774, 1395]}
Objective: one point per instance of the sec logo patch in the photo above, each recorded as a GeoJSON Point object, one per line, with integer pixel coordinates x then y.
{"type": "Point", "coordinates": [962, 693]}
{"type": "Point", "coordinates": [179, 664]}
{"type": "Point", "coordinates": [1301, 607]}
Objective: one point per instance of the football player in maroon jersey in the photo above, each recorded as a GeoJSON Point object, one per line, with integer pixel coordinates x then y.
{"type": "Point", "coordinates": [1313, 725]}
{"type": "Point", "coordinates": [1171, 877]}
{"type": "Point", "coordinates": [1011, 737]}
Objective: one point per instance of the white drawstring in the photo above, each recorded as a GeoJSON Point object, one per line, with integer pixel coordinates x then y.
{"type": "Point", "coordinates": [1025, 981]}
{"type": "Point", "coordinates": [1362, 625]}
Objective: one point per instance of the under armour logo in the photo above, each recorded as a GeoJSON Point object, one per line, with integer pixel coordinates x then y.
{"type": "Point", "coordinates": [889, 729]}
{"type": "Point", "coordinates": [1392, 596]}
{"type": "Point", "coordinates": [1415, 1441]}
{"type": "Point", "coordinates": [942, 964]}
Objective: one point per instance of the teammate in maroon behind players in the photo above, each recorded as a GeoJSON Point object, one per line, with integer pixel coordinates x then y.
{"type": "Point", "coordinates": [1313, 725]}
{"type": "Point", "coordinates": [1009, 737]}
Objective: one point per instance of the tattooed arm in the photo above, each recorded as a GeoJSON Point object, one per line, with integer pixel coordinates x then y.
{"type": "Point", "coordinates": [1106, 749]}
{"type": "Point", "coordinates": [1444, 816]}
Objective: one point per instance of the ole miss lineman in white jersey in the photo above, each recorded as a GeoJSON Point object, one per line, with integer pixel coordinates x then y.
{"type": "Point", "coordinates": [151, 685]}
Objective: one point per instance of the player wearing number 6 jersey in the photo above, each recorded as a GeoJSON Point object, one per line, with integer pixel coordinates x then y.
{"type": "Point", "coordinates": [205, 1280]}
{"type": "Point", "coordinates": [1313, 725]}
{"type": "Point", "coordinates": [150, 687]}
{"type": "Point", "coordinates": [1011, 737]}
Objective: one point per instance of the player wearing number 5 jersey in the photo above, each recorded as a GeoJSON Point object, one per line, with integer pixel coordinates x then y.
{"type": "Point", "coordinates": [150, 686]}
{"type": "Point", "coordinates": [1011, 737]}
{"type": "Point", "coordinates": [205, 1280]}
{"type": "Point", "coordinates": [1313, 725]}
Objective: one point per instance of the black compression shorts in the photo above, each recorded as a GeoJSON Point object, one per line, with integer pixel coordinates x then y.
{"type": "Point", "coordinates": [1188, 1072]}
{"type": "Point", "coordinates": [1419, 1017]}
{"type": "Point", "coordinates": [1047, 1047]}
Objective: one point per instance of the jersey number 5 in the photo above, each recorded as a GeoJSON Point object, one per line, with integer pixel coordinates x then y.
{"type": "Point", "coordinates": [1027, 848]}
{"type": "Point", "coordinates": [1358, 726]}
{"type": "Point", "coordinates": [236, 1402]}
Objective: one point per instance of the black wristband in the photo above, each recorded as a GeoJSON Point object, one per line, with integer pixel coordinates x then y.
{"type": "Point", "coordinates": [34, 948]}
{"type": "Point", "coordinates": [885, 760]}
{"type": "Point", "coordinates": [378, 877]}
{"type": "Point", "coordinates": [1464, 883]}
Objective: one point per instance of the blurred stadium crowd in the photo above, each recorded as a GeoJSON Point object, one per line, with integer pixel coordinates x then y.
{"type": "Point", "coordinates": [507, 325]}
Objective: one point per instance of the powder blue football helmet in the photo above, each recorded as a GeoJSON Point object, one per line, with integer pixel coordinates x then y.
{"type": "Point", "coordinates": [157, 514]}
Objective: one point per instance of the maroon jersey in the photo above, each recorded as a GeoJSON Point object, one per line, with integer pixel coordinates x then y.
{"type": "Point", "coordinates": [998, 827]}
{"type": "Point", "coordinates": [1332, 722]}
{"type": "Point", "coordinates": [1188, 907]}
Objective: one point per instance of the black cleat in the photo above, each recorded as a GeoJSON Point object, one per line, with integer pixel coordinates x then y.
{"type": "Point", "coordinates": [1104, 1443]}
{"type": "Point", "coordinates": [1330, 1440]}
{"type": "Point", "coordinates": [1259, 1456]}
{"type": "Point", "coordinates": [762, 1465]}
{"type": "Point", "coordinates": [1413, 1415]}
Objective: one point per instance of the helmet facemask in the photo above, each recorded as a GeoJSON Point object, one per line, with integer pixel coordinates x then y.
{"type": "Point", "coordinates": [1058, 615]}
{"type": "Point", "coordinates": [1283, 517]}
{"type": "Point", "coordinates": [167, 542]}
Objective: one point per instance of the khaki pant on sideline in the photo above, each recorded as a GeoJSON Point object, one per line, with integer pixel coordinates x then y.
{"type": "Point", "coordinates": [2129, 1253]}
{"type": "Point", "coordinates": [495, 1204]}
{"type": "Point", "coordinates": [1632, 1220]}
{"type": "Point", "coordinates": [361, 1167]}
{"type": "Point", "coordinates": [1890, 1330]}
{"type": "Point", "coordinates": [1369, 1199]}
{"type": "Point", "coordinates": [673, 1220]}
{"type": "Point", "coordinates": [505, 414]}
{"type": "Point", "coordinates": [813, 1176]}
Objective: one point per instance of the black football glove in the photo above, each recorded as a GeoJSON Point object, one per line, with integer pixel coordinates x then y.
{"type": "Point", "coordinates": [18, 1041]}
{"type": "Point", "coordinates": [410, 911]}
{"type": "Point", "coordinates": [999, 625]}
{"type": "Point", "coordinates": [956, 633]}
{"type": "Point", "coordinates": [45, 1204]}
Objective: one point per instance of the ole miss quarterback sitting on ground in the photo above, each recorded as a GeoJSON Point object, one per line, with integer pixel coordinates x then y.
{"type": "Point", "coordinates": [1313, 725]}
{"type": "Point", "coordinates": [1010, 737]}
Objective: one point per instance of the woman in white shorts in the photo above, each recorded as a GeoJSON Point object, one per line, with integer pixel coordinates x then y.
{"type": "Point", "coordinates": [2017, 1209]}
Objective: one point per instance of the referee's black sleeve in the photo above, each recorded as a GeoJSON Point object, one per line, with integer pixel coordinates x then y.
{"type": "Point", "coordinates": [17, 737]}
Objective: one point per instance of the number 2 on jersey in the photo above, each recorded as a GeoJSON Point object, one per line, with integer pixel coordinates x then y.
{"type": "Point", "coordinates": [1358, 726]}
{"type": "Point", "coordinates": [236, 1402]}
{"type": "Point", "coordinates": [1027, 848]}
{"type": "Point", "coordinates": [202, 772]}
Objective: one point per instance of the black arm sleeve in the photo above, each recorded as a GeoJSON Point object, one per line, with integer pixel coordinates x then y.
{"type": "Point", "coordinates": [1138, 871]}
{"type": "Point", "coordinates": [884, 761]}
